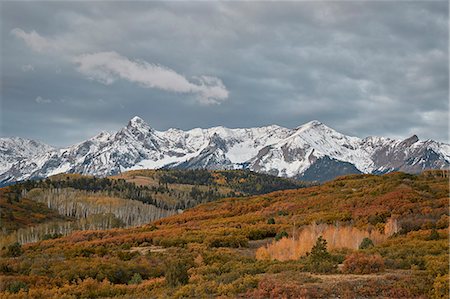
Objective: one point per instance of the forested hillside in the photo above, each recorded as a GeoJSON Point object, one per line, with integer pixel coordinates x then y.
{"type": "Point", "coordinates": [361, 235]}
{"type": "Point", "coordinates": [187, 188]}
{"type": "Point", "coordinates": [16, 214]}
{"type": "Point", "coordinates": [41, 209]}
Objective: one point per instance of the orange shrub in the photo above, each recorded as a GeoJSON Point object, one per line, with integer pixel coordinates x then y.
{"type": "Point", "coordinates": [361, 263]}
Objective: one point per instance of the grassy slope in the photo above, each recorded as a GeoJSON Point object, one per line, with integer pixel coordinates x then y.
{"type": "Point", "coordinates": [217, 241]}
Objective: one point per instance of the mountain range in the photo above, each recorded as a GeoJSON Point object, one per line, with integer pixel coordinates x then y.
{"type": "Point", "coordinates": [311, 152]}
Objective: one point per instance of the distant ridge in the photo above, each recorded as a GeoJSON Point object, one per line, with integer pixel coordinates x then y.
{"type": "Point", "coordinates": [312, 151]}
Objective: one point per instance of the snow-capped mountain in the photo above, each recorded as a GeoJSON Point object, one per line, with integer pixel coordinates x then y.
{"type": "Point", "coordinates": [15, 149]}
{"type": "Point", "coordinates": [312, 151]}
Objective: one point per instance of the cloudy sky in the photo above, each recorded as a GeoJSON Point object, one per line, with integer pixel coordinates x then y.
{"type": "Point", "coordinates": [70, 70]}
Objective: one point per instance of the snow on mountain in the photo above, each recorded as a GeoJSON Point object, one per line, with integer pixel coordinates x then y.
{"type": "Point", "coordinates": [301, 152]}
{"type": "Point", "coordinates": [313, 140]}
{"type": "Point", "coordinates": [409, 155]}
{"type": "Point", "coordinates": [15, 149]}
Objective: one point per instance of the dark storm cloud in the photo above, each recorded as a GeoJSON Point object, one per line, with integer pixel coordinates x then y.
{"type": "Point", "coordinates": [363, 68]}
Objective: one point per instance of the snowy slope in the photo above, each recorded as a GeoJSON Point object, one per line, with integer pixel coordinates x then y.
{"type": "Point", "coordinates": [309, 142]}
{"type": "Point", "coordinates": [15, 149]}
{"type": "Point", "coordinates": [271, 149]}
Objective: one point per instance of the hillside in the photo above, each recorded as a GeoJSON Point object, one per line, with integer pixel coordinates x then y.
{"type": "Point", "coordinates": [385, 236]}
{"type": "Point", "coordinates": [16, 214]}
{"type": "Point", "coordinates": [33, 210]}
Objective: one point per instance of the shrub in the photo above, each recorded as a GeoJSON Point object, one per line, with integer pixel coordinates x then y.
{"type": "Point", "coordinates": [5, 268]}
{"type": "Point", "coordinates": [271, 221]}
{"type": "Point", "coordinates": [321, 266]}
{"type": "Point", "coordinates": [366, 243]}
{"type": "Point", "coordinates": [176, 272]}
{"type": "Point", "coordinates": [437, 264]}
{"type": "Point", "coordinates": [378, 218]}
{"type": "Point", "coordinates": [440, 287]}
{"type": "Point", "coordinates": [86, 252]}
{"type": "Point", "coordinates": [16, 286]}
{"type": "Point", "coordinates": [126, 255]}
{"type": "Point", "coordinates": [51, 236]}
{"type": "Point", "coordinates": [14, 250]}
{"type": "Point", "coordinates": [259, 233]}
{"type": "Point", "coordinates": [442, 222]}
{"type": "Point", "coordinates": [434, 235]}
{"type": "Point", "coordinates": [361, 263]}
{"type": "Point", "coordinates": [281, 235]}
{"type": "Point", "coordinates": [136, 279]}
{"type": "Point", "coordinates": [233, 241]}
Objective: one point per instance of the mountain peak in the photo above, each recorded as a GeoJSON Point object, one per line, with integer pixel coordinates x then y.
{"type": "Point", "coordinates": [138, 129]}
{"type": "Point", "coordinates": [136, 120]}
{"type": "Point", "coordinates": [138, 123]}
{"type": "Point", "coordinates": [314, 124]}
{"type": "Point", "coordinates": [102, 136]}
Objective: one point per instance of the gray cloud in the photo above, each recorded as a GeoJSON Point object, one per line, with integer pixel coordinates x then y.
{"type": "Point", "coordinates": [364, 68]}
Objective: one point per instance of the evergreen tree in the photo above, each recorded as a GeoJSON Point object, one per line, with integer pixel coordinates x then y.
{"type": "Point", "coordinates": [319, 260]}
{"type": "Point", "coordinates": [366, 243]}
{"type": "Point", "coordinates": [136, 279]}
{"type": "Point", "coordinates": [319, 250]}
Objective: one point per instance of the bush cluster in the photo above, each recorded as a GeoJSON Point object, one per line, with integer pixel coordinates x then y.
{"type": "Point", "coordinates": [362, 263]}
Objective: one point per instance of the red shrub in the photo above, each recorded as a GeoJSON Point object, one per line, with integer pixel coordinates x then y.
{"type": "Point", "coordinates": [361, 263]}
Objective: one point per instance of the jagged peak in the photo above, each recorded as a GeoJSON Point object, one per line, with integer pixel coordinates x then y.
{"type": "Point", "coordinates": [138, 123]}
{"type": "Point", "coordinates": [5, 141]}
{"type": "Point", "coordinates": [217, 141]}
{"type": "Point", "coordinates": [314, 124]}
{"type": "Point", "coordinates": [136, 120]}
{"type": "Point", "coordinates": [102, 136]}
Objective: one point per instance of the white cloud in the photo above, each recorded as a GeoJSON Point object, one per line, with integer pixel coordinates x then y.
{"type": "Point", "coordinates": [106, 67]}
{"type": "Point", "coordinates": [27, 68]}
{"type": "Point", "coordinates": [33, 40]}
{"type": "Point", "coordinates": [41, 100]}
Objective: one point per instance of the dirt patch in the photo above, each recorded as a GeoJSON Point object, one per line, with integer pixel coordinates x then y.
{"type": "Point", "coordinates": [146, 249]}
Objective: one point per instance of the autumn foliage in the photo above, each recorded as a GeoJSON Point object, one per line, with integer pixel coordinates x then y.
{"type": "Point", "coordinates": [362, 263]}
{"type": "Point", "coordinates": [217, 248]}
{"type": "Point", "coordinates": [337, 236]}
